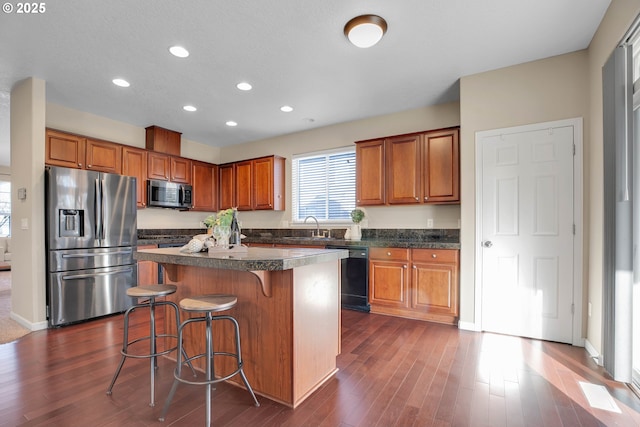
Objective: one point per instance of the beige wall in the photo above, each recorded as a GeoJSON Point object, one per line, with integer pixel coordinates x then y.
{"type": "Point", "coordinates": [550, 89]}
{"type": "Point", "coordinates": [28, 292]}
{"type": "Point", "coordinates": [343, 135]}
{"type": "Point", "coordinates": [615, 24]}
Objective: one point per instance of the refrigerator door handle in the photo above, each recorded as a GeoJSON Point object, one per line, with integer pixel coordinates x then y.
{"type": "Point", "coordinates": [89, 275]}
{"type": "Point", "coordinates": [97, 210]}
{"type": "Point", "coordinates": [102, 214]}
{"type": "Point", "coordinates": [85, 255]}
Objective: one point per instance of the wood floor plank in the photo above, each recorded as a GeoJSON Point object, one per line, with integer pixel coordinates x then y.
{"type": "Point", "coordinates": [393, 372]}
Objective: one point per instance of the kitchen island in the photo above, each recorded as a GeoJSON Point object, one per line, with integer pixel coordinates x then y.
{"type": "Point", "coordinates": [288, 310]}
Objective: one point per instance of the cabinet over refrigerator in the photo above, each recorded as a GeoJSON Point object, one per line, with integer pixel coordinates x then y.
{"type": "Point", "coordinates": [91, 236]}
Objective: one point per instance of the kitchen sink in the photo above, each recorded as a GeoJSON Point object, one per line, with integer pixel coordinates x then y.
{"type": "Point", "coordinates": [299, 238]}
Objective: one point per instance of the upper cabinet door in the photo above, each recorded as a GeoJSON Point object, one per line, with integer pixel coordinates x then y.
{"type": "Point", "coordinates": [268, 183]}
{"type": "Point", "coordinates": [403, 169]}
{"type": "Point", "coordinates": [134, 163]}
{"type": "Point", "coordinates": [180, 170]}
{"type": "Point", "coordinates": [441, 167]}
{"type": "Point", "coordinates": [226, 198]}
{"type": "Point", "coordinates": [370, 173]}
{"type": "Point", "coordinates": [104, 156]}
{"type": "Point", "coordinates": [205, 183]}
{"type": "Point", "coordinates": [158, 166]}
{"type": "Point", "coordinates": [63, 149]}
{"type": "Point", "coordinates": [243, 183]}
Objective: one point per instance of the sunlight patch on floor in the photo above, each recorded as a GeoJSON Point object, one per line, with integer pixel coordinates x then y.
{"type": "Point", "coordinates": [599, 397]}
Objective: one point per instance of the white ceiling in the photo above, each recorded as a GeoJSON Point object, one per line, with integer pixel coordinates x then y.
{"type": "Point", "coordinates": [292, 51]}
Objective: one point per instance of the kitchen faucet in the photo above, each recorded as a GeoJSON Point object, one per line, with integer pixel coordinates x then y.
{"type": "Point", "coordinates": [317, 226]}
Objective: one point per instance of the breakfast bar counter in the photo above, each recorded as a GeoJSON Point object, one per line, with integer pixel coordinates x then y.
{"type": "Point", "coordinates": [288, 310]}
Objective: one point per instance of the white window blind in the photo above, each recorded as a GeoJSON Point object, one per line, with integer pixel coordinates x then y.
{"type": "Point", "coordinates": [324, 185]}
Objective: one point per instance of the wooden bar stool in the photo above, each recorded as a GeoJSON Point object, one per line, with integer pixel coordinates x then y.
{"type": "Point", "coordinates": [151, 292]}
{"type": "Point", "coordinates": [207, 305]}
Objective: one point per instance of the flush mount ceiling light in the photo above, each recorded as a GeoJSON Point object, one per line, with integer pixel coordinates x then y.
{"type": "Point", "coordinates": [189, 108]}
{"type": "Point", "coordinates": [244, 86]}
{"type": "Point", "coordinates": [121, 82]}
{"type": "Point", "coordinates": [365, 30]}
{"type": "Point", "coordinates": [231, 123]}
{"type": "Point", "coordinates": [179, 51]}
{"type": "Point", "coordinates": [286, 109]}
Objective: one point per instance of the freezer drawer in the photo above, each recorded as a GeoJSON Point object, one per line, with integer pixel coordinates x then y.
{"type": "Point", "coordinates": [85, 259]}
{"type": "Point", "coordinates": [73, 296]}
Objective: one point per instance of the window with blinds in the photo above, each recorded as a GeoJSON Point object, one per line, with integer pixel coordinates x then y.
{"type": "Point", "coordinates": [324, 185]}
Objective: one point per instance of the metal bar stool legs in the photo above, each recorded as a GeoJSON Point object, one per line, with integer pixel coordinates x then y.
{"type": "Point", "coordinates": [151, 292]}
{"type": "Point", "coordinates": [208, 304]}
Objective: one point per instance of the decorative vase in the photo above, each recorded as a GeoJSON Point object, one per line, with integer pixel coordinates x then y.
{"type": "Point", "coordinates": [221, 233]}
{"type": "Point", "coordinates": [356, 233]}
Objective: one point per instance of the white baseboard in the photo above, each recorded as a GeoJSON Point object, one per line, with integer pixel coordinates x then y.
{"type": "Point", "coordinates": [593, 353]}
{"type": "Point", "coordinates": [29, 325]}
{"type": "Point", "coordinates": [468, 326]}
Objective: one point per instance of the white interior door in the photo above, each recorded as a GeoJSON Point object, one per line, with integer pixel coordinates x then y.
{"type": "Point", "coordinates": [527, 232]}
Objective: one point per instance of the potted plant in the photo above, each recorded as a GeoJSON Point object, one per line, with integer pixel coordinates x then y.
{"type": "Point", "coordinates": [357, 215]}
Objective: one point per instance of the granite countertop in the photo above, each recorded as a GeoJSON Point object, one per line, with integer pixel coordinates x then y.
{"type": "Point", "coordinates": [380, 238]}
{"type": "Point", "coordinates": [254, 259]}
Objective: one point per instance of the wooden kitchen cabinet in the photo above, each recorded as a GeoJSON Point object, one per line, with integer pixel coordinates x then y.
{"type": "Point", "coordinates": [415, 283]}
{"type": "Point", "coordinates": [226, 186]}
{"type": "Point", "coordinates": [268, 183]}
{"type": "Point", "coordinates": [441, 166]}
{"type": "Point", "coordinates": [168, 168]}
{"type": "Point", "coordinates": [370, 173]}
{"type": "Point", "coordinates": [205, 186]}
{"type": "Point", "coordinates": [389, 278]}
{"type": "Point", "coordinates": [180, 170]}
{"type": "Point", "coordinates": [255, 184]}
{"type": "Point", "coordinates": [407, 169]}
{"type": "Point", "coordinates": [147, 270]}
{"type": "Point", "coordinates": [134, 163]}
{"type": "Point", "coordinates": [435, 281]}
{"type": "Point", "coordinates": [103, 156]}
{"type": "Point", "coordinates": [63, 149]}
{"type": "Point", "coordinates": [158, 166]}
{"type": "Point", "coordinates": [403, 172]}
{"type": "Point", "coordinates": [243, 185]}
{"type": "Point", "coordinates": [162, 140]}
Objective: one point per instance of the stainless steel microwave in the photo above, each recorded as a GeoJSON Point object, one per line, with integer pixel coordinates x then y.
{"type": "Point", "coordinates": [164, 194]}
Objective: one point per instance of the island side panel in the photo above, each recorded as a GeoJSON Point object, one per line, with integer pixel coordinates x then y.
{"type": "Point", "coordinates": [316, 305]}
{"type": "Point", "coordinates": [266, 326]}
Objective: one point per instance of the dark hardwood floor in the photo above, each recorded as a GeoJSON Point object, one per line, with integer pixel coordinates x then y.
{"type": "Point", "coordinates": [393, 372]}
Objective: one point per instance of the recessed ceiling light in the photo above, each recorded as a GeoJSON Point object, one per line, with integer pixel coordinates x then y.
{"type": "Point", "coordinates": [179, 51]}
{"type": "Point", "coordinates": [231, 123]}
{"type": "Point", "coordinates": [121, 82]}
{"type": "Point", "coordinates": [286, 109]}
{"type": "Point", "coordinates": [189, 108]}
{"type": "Point", "coordinates": [244, 86]}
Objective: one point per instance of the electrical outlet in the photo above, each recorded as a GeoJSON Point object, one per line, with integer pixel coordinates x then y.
{"type": "Point", "coordinates": [430, 223]}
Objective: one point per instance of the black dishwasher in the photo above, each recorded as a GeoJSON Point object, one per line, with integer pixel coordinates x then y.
{"type": "Point", "coordinates": [355, 278]}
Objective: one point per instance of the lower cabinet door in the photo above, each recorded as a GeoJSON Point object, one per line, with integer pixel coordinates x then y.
{"type": "Point", "coordinates": [389, 283]}
{"type": "Point", "coordinates": [435, 288]}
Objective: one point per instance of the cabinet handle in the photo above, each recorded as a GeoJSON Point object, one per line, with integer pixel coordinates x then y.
{"type": "Point", "coordinates": [417, 199]}
{"type": "Point", "coordinates": [89, 166]}
{"type": "Point", "coordinates": [388, 253]}
{"type": "Point", "coordinates": [434, 256]}
{"type": "Point", "coordinates": [426, 197]}
{"type": "Point", "coordinates": [415, 268]}
{"type": "Point", "coordinates": [80, 164]}
{"type": "Point", "coordinates": [404, 266]}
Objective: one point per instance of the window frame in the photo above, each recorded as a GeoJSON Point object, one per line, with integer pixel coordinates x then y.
{"type": "Point", "coordinates": [295, 220]}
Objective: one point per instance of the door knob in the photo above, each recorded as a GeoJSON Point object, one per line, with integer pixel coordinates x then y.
{"type": "Point", "coordinates": [487, 244]}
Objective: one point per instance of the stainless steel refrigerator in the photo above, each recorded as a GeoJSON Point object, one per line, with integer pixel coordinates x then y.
{"type": "Point", "coordinates": [91, 235]}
